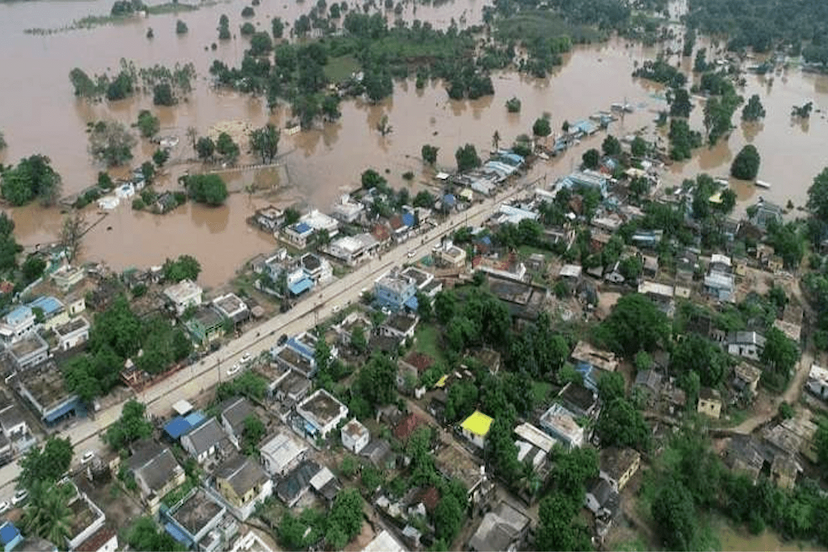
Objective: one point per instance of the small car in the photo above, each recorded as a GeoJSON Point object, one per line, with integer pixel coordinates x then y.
{"type": "Point", "coordinates": [87, 457]}
{"type": "Point", "coordinates": [233, 370]}
{"type": "Point", "coordinates": [282, 339]}
{"type": "Point", "coordinates": [4, 506]}
{"type": "Point", "coordinates": [411, 253]}
{"type": "Point", "coordinates": [246, 357]}
{"type": "Point", "coordinates": [335, 309]}
{"type": "Point", "coordinates": [20, 497]}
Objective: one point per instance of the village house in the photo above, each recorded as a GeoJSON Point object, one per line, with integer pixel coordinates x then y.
{"type": "Point", "coordinates": [85, 518]}
{"type": "Point", "coordinates": [476, 427]}
{"type": "Point", "coordinates": [454, 464]}
{"type": "Point", "coordinates": [411, 368]}
{"type": "Point", "coordinates": [17, 324]}
{"type": "Point", "coordinates": [155, 470]}
{"type": "Point", "coordinates": [71, 334]}
{"type": "Point", "coordinates": [746, 344]}
{"type": "Point", "coordinates": [533, 445]}
{"type": "Point", "coordinates": [591, 362]}
{"type": "Point", "coordinates": [45, 390]}
{"type": "Point", "coordinates": [449, 255]}
{"type": "Point", "coordinates": [320, 414]}
{"type": "Point", "coordinates": [234, 412]}
{"type": "Point", "coordinates": [604, 503]}
{"type": "Point", "coordinates": [618, 465]}
{"type": "Point", "coordinates": [50, 311]}
{"type": "Point", "coordinates": [505, 528]}
{"type": "Point", "coordinates": [347, 211]}
{"type": "Point", "coordinates": [197, 522]}
{"type": "Point", "coordinates": [584, 179]}
{"type": "Point", "coordinates": [352, 250]}
{"type": "Point", "coordinates": [580, 400]}
{"type": "Point", "coordinates": [380, 454]}
{"type": "Point", "coordinates": [205, 325]}
{"type": "Point", "coordinates": [269, 218]}
{"type": "Point", "coordinates": [710, 403]}
{"type": "Point", "coordinates": [297, 234]}
{"type": "Point", "coordinates": [29, 351]}
{"type": "Point", "coordinates": [231, 307]}
{"type": "Point", "coordinates": [296, 483]}
{"type": "Point", "coordinates": [104, 539]}
{"type": "Point", "coordinates": [399, 326]}
{"type": "Point", "coordinates": [282, 452]}
{"type": "Point", "coordinates": [204, 441]}
{"type": "Point", "coordinates": [292, 388]}
{"type": "Point", "coordinates": [355, 436]}
{"type": "Point", "coordinates": [719, 285]}
{"type": "Point", "coordinates": [818, 382]}
{"type": "Point", "coordinates": [746, 378]}
{"type": "Point", "coordinates": [395, 291]}
{"type": "Point", "coordinates": [560, 423]}
{"type": "Point", "coordinates": [243, 485]}
{"type": "Point", "coordinates": [745, 455]}
{"type": "Point", "coordinates": [183, 295]}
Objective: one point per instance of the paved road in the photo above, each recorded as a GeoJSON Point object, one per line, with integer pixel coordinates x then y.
{"type": "Point", "coordinates": [212, 369]}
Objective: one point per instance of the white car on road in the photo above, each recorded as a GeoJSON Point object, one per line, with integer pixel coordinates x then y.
{"type": "Point", "coordinates": [411, 253]}
{"type": "Point", "coordinates": [4, 506]}
{"type": "Point", "coordinates": [20, 497]}
{"type": "Point", "coordinates": [233, 370]}
{"type": "Point", "coordinates": [246, 357]}
{"type": "Point", "coordinates": [87, 457]}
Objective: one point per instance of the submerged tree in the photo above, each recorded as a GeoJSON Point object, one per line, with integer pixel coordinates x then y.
{"type": "Point", "coordinates": [111, 143]}
{"type": "Point", "coordinates": [71, 234]}
{"type": "Point", "coordinates": [265, 142]}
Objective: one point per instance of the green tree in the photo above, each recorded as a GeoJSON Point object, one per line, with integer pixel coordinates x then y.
{"type": "Point", "coordinates": [559, 527]}
{"type": "Point", "coordinates": [753, 110]}
{"type": "Point", "coordinates": [611, 146]}
{"type": "Point", "coordinates": [542, 127]}
{"type": "Point", "coordinates": [448, 518]}
{"type": "Point", "coordinates": [130, 427]}
{"type": "Point", "coordinates": [148, 124]}
{"type": "Point", "coordinates": [467, 158]}
{"type": "Point", "coordinates": [254, 432]}
{"type": "Point", "coordinates": [620, 424]}
{"type": "Point", "coordinates": [821, 443]}
{"type": "Point", "coordinates": [278, 27]}
{"type": "Point", "coordinates": [47, 512]}
{"type": "Point", "coordinates": [682, 140]}
{"type": "Point", "coordinates": [33, 268]}
{"type": "Point", "coordinates": [148, 170]}
{"type": "Point", "coordinates": [698, 354]}
{"type": "Point", "coordinates": [205, 148]}
{"type": "Point", "coordinates": [818, 196]}
{"type": "Point", "coordinates": [635, 324]}
{"type": "Point", "coordinates": [377, 380]}
{"type": "Point", "coordinates": [639, 147]}
{"type": "Point", "coordinates": [746, 163]}
{"type": "Point", "coordinates": [429, 154]}
{"type": "Point", "coordinates": [185, 267]}
{"type": "Point", "coordinates": [180, 27]}
{"type": "Point", "coordinates": [591, 158]}
{"type": "Point", "coordinates": [513, 105]}
{"type": "Point", "coordinates": [345, 517]}
{"type": "Point", "coordinates": [207, 188]}
{"type": "Point", "coordinates": [111, 143]}
{"type": "Point", "coordinates": [45, 465]}
{"type": "Point", "coordinates": [162, 94]}
{"type": "Point", "coordinates": [780, 353]}
{"type": "Point", "coordinates": [3, 143]}
{"type": "Point", "coordinates": [260, 44]}
{"type": "Point", "coordinates": [265, 142]}
{"type": "Point", "coordinates": [160, 156]}
{"type": "Point", "coordinates": [144, 534]}
{"type": "Point", "coordinates": [247, 29]}
{"type": "Point", "coordinates": [117, 328]}
{"type": "Point", "coordinates": [611, 385]}
{"type": "Point", "coordinates": [358, 341]}
{"type": "Point", "coordinates": [33, 177]}
{"type": "Point", "coordinates": [680, 105]}
{"type": "Point", "coordinates": [227, 148]}
{"type": "Point", "coordinates": [675, 516]}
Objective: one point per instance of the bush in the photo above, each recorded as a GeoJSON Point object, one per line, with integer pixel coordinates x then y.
{"type": "Point", "coordinates": [746, 164]}
{"type": "Point", "coordinates": [180, 27]}
{"type": "Point", "coordinates": [513, 105]}
{"type": "Point", "coordinates": [408, 175]}
{"type": "Point", "coordinates": [247, 29]}
{"type": "Point", "coordinates": [247, 12]}
{"type": "Point", "coordinates": [138, 204]}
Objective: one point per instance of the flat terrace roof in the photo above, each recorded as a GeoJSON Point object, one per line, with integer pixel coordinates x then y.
{"type": "Point", "coordinates": [323, 406]}
{"type": "Point", "coordinates": [196, 512]}
{"type": "Point", "coordinates": [46, 387]}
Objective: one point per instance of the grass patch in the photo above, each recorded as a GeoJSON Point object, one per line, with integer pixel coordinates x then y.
{"type": "Point", "coordinates": [528, 25]}
{"type": "Point", "coordinates": [427, 341]}
{"type": "Point", "coordinates": [339, 69]}
{"type": "Point", "coordinates": [540, 391]}
{"type": "Point", "coordinates": [172, 497]}
{"type": "Point", "coordinates": [635, 545]}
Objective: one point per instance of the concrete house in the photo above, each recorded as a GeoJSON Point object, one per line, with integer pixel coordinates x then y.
{"type": "Point", "coordinates": [232, 307]}
{"type": "Point", "coordinates": [504, 528]}
{"type": "Point", "coordinates": [399, 326]}
{"type": "Point", "coordinates": [45, 390]}
{"type": "Point", "coordinates": [710, 403]}
{"type": "Point", "coordinates": [395, 292]}
{"type": "Point", "coordinates": [28, 352]}
{"type": "Point", "coordinates": [196, 522]}
{"type": "Point", "coordinates": [476, 427]}
{"type": "Point", "coordinates": [243, 484]}
{"type": "Point", "coordinates": [321, 413]}
{"type": "Point", "coordinates": [281, 453]}
{"type": "Point", "coordinates": [234, 412]}
{"type": "Point", "coordinates": [560, 423]}
{"type": "Point", "coordinates": [355, 436]}
{"type": "Point", "coordinates": [746, 344]}
{"type": "Point", "coordinates": [183, 295]}
{"type": "Point", "coordinates": [155, 470]}
{"type": "Point", "coordinates": [67, 276]}
{"type": "Point", "coordinates": [353, 250]}
{"type": "Point", "coordinates": [73, 333]}
{"type": "Point", "coordinates": [618, 465]}
{"type": "Point", "coordinates": [52, 310]}
{"type": "Point", "coordinates": [580, 400]}
{"type": "Point", "coordinates": [818, 381]}
{"type": "Point", "coordinates": [347, 211]}
{"type": "Point", "coordinates": [746, 377]}
{"type": "Point", "coordinates": [17, 324]}
{"type": "Point", "coordinates": [205, 325]}
{"type": "Point", "coordinates": [204, 441]}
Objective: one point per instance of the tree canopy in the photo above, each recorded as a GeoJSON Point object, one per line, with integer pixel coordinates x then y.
{"type": "Point", "coordinates": [47, 464]}
{"type": "Point", "coordinates": [746, 163]}
{"type": "Point", "coordinates": [206, 188]}
{"type": "Point", "coordinates": [111, 143]}
{"type": "Point", "coordinates": [635, 324]}
{"type": "Point", "coordinates": [33, 177]}
{"type": "Point", "coordinates": [467, 158]}
{"type": "Point", "coordinates": [131, 426]}
{"type": "Point", "coordinates": [185, 267]}
{"type": "Point", "coordinates": [265, 141]}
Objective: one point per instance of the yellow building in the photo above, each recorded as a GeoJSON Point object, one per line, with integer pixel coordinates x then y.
{"type": "Point", "coordinates": [476, 427]}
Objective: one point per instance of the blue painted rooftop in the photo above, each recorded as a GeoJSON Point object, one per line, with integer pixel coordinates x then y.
{"type": "Point", "coordinates": [194, 418]}
{"type": "Point", "coordinates": [18, 315]}
{"type": "Point", "coordinates": [408, 219]}
{"type": "Point", "coordinates": [177, 427]}
{"type": "Point", "coordinates": [412, 304]}
{"type": "Point", "coordinates": [48, 304]}
{"type": "Point", "coordinates": [177, 534]}
{"type": "Point", "coordinates": [8, 532]}
{"type": "Point", "coordinates": [303, 350]}
{"type": "Point", "coordinates": [302, 227]}
{"type": "Point", "coordinates": [449, 200]}
{"type": "Point", "coordinates": [300, 286]}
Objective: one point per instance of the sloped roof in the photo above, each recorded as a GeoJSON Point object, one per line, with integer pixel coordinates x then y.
{"type": "Point", "coordinates": [242, 473]}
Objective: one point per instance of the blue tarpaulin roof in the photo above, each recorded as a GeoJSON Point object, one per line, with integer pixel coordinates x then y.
{"type": "Point", "coordinates": [300, 286]}
{"type": "Point", "coordinates": [449, 200]}
{"type": "Point", "coordinates": [302, 227]}
{"type": "Point", "coordinates": [177, 427]}
{"type": "Point", "coordinates": [8, 532]}
{"type": "Point", "coordinates": [408, 219]}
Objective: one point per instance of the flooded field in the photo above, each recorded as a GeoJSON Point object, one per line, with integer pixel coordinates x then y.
{"type": "Point", "coordinates": [742, 541]}
{"type": "Point", "coordinates": [39, 114]}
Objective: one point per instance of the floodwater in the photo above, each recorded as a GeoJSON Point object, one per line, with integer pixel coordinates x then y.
{"type": "Point", "coordinates": [38, 114]}
{"type": "Point", "coordinates": [768, 541]}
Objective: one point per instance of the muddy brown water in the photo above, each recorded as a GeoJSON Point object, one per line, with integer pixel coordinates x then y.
{"type": "Point", "coordinates": [38, 113]}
